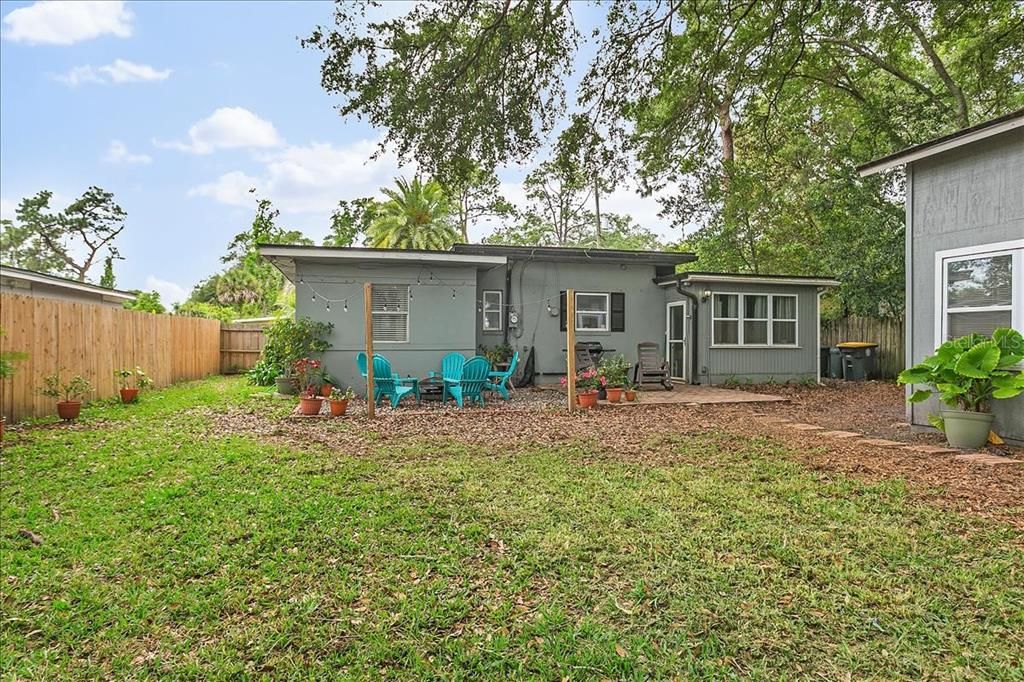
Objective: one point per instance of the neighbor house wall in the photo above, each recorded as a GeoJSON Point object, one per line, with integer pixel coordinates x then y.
{"type": "Point", "coordinates": [966, 197]}
{"type": "Point", "coordinates": [438, 324]}
{"type": "Point", "coordinates": [536, 283]}
{"type": "Point", "coordinates": [10, 285]}
{"type": "Point", "coordinates": [719, 365]}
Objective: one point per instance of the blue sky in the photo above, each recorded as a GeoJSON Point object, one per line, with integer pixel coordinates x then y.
{"type": "Point", "coordinates": [178, 109]}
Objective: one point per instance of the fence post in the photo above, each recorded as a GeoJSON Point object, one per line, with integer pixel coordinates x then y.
{"type": "Point", "coordinates": [368, 324]}
{"type": "Point", "coordinates": [570, 346]}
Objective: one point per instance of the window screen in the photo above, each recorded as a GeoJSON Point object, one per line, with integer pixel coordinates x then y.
{"type": "Point", "coordinates": [491, 314]}
{"type": "Point", "coordinates": [390, 313]}
{"type": "Point", "coordinates": [979, 294]}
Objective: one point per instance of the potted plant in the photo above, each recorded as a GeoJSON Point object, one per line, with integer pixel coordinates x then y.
{"type": "Point", "coordinates": [307, 377]}
{"type": "Point", "coordinates": [966, 374]}
{"type": "Point", "coordinates": [130, 382]}
{"type": "Point", "coordinates": [8, 358]}
{"type": "Point", "coordinates": [614, 371]}
{"type": "Point", "coordinates": [587, 382]}
{"type": "Point", "coordinates": [326, 384]}
{"type": "Point", "coordinates": [68, 395]}
{"type": "Point", "coordinates": [286, 383]}
{"type": "Point", "coordinates": [629, 392]}
{"type": "Point", "coordinates": [338, 400]}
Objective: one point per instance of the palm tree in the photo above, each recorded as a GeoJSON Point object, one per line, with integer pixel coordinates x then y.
{"type": "Point", "coordinates": [416, 215]}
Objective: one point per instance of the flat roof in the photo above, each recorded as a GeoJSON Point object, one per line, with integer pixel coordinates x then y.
{"type": "Point", "coordinates": [571, 254]}
{"type": "Point", "coordinates": [63, 282]}
{"type": "Point", "coordinates": [747, 278]}
{"type": "Point", "coordinates": [964, 136]}
{"type": "Point", "coordinates": [283, 256]}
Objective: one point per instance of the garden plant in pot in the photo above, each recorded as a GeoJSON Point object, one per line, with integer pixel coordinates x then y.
{"type": "Point", "coordinates": [286, 342]}
{"type": "Point", "coordinates": [587, 382]}
{"type": "Point", "coordinates": [307, 377]}
{"type": "Point", "coordinates": [67, 394]}
{"type": "Point", "coordinates": [967, 374]}
{"type": "Point", "coordinates": [326, 384]}
{"type": "Point", "coordinates": [614, 371]}
{"type": "Point", "coordinates": [130, 382]}
{"type": "Point", "coordinates": [338, 400]}
{"type": "Point", "coordinates": [629, 392]}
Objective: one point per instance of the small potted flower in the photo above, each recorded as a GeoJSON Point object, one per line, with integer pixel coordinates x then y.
{"type": "Point", "coordinates": [307, 377]}
{"type": "Point", "coordinates": [338, 400]}
{"type": "Point", "coordinates": [68, 395]}
{"type": "Point", "coordinates": [629, 392]}
{"type": "Point", "coordinates": [130, 382]}
{"type": "Point", "coordinates": [614, 371]}
{"type": "Point", "coordinates": [326, 384]}
{"type": "Point", "coordinates": [587, 382]}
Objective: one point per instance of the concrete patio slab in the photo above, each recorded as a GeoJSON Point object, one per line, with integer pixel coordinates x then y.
{"type": "Point", "coordinates": [882, 443]}
{"type": "Point", "coordinates": [932, 449]}
{"type": "Point", "coordinates": [840, 434]}
{"type": "Point", "coordinates": [804, 427]}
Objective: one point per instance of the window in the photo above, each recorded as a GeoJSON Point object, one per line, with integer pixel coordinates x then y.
{"type": "Point", "coordinates": [492, 317]}
{"type": "Point", "coordinates": [753, 320]}
{"type": "Point", "coordinates": [592, 312]}
{"type": "Point", "coordinates": [979, 290]}
{"type": "Point", "coordinates": [390, 313]}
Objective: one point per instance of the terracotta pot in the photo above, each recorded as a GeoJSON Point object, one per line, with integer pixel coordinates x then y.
{"type": "Point", "coordinates": [338, 407]}
{"type": "Point", "coordinates": [309, 406]}
{"type": "Point", "coordinates": [325, 389]}
{"type": "Point", "coordinates": [129, 395]}
{"type": "Point", "coordinates": [614, 393]}
{"type": "Point", "coordinates": [587, 399]}
{"type": "Point", "coordinates": [629, 395]}
{"type": "Point", "coordinates": [68, 410]}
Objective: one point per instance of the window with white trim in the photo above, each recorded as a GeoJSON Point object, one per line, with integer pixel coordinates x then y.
{"type": "Point", "coordinates": [981, 290]}
{"type": "Point", "coordinates": [592, 312]}
{"type": "Point", "coordinates": [491, 316]}
{"type": "Point", "coordinates": [753, 319]}
{"type": "Point", "coordinates": [390, 303]}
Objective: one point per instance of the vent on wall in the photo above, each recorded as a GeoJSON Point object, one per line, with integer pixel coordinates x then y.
{"type": "Point", "coordinates": [390, 313]}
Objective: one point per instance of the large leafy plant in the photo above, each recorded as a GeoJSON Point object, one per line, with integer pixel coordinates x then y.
{"type": "Point", "coordinates": [288, 341]}
{"type": "Point", "coordinates": [970, 371]}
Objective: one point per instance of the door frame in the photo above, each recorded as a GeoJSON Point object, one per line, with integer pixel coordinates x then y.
{"type": "Point", "coordinates": [685, 341]}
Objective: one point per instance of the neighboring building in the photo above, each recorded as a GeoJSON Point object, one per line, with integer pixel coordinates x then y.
{"type": "Point", "coordinates": [965, 244]}
{"type": "Point", "coordinates": [30, 283]}
{"type": "Point", "coordinates": [711, 328]}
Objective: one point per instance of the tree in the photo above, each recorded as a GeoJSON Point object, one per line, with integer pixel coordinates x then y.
{"type": "Point", "coordinates": [621, 232]}
{"type": "Point", "coordinates": [416, 215]}
{"type": "Point", "coordinates": [66, 243]}
{"type": "Point", "coordinates": [146, 301]}
{"type": "Point", "coordinates": [349, 220]}
{"type": "Point", "coordinates": [264, 230]}
{"type": "Point", "coordinates": [475, 193]}
{"type": "Point", "coordinates": [108, 280]}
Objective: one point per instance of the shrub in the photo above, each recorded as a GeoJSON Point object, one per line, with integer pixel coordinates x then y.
{"type": "Point", "coordinates": [74, 388]}
{"type": "Point", "coordinates": [288, 341]}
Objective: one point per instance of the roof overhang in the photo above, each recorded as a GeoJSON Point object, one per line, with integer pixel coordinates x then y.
{"type": "Point", "coordinates": [562, 254]}
{"type": "Point", "coordinates": [939, 145]}
{"type": "Point", "coordinates": [31, 276]}
{"type": "Point", "coordinates": [284, 257]}
{"type": "Point", "coordinates": [713, 277]}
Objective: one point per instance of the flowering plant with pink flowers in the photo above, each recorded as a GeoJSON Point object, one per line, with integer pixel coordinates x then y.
{"type": "Point", "coordinates": [307, 375]}
{"type": "Point", "coordinates": [587, 380]}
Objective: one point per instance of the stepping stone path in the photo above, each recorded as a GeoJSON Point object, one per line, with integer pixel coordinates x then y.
{"type": "Point", "coordinates": [970, 457]}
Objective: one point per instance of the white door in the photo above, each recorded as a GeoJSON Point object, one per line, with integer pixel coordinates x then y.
{"type": "Point", "coordinates": [675, 340]}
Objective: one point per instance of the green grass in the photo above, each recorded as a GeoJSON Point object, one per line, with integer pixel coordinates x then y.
{"type": "Point", "coordinates": [181, 551]}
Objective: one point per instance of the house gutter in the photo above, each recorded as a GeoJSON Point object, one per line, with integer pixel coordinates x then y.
{"type": "Point", "coordinates": [693, 323]}
{"type": "Point", "coordinates": [508, 302]}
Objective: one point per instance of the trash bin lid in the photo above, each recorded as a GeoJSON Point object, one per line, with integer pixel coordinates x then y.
{"type": "Point", "coordinates": [856, 344]}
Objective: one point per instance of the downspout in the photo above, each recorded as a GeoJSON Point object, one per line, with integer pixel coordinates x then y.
{"type": "Point", "coordinates": [508, 302]}
{"type": "Point", "coordinates": [694, 343]}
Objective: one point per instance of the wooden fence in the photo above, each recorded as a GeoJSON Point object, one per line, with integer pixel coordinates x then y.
{"type": "Point", "coordinates": [887, 333]}
{"type": "Point", "coordinates": [93, 340]}
{"type": "Point", "coordinates": [240, 346]}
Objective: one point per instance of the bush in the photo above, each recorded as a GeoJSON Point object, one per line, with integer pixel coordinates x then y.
{"type": "Point", "coordinates": [289, 341]}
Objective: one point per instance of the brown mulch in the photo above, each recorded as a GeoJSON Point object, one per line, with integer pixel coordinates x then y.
{"type": "Point", "coordinates": [652, 434]}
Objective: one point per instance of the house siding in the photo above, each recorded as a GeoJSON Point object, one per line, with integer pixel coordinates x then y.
{"type": "Point", "coordinates": [966, 197]}
{"type": "Point", "coordinates": [45, 290]}
{"type": "Point", "coordinates": [719, 365]}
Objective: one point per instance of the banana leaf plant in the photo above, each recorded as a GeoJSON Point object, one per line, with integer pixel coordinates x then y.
{"type": "Point", "coordinates": [969, 372]}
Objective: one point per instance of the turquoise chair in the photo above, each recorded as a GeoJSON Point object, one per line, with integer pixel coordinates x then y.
{"type": "Point", "coordinates": [451, 370]}
{"type": "Point", "coordinates": [387, 383]}
{"type": "Point", "coordinates": [470, 385]}
{"type": "Point", "coordinates": [499, 381]}
{"type": "Point", "coordinates": [361, 363]}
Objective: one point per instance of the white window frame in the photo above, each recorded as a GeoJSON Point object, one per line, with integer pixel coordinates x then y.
{"type": "Point", "coordinates": [741, 319]}
{"type": "Point", "coordinates": [484, 310]}
{"type": "Point", "coordinates": [607, 312]}
{"type": "Point", "coordinates": [1014, 248]}
{"type": "Point", "coordinates": [408, 306]}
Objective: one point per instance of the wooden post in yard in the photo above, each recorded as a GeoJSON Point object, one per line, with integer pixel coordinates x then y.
{"type": "Point", "coordinates": [570, 346]}
{"type": "Point", "coordinates": [368, 325]}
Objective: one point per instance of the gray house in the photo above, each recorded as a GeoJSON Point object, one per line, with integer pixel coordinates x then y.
{"type": "Point", "coordinates": [709, 327]}
{"type": "Point", "coordinates": [31, 283]}
{"type": "Point", "coordinates": [965, 244]}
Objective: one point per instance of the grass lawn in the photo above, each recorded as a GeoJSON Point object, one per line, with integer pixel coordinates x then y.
{"type": "Point", "coordinates": [172, 549]}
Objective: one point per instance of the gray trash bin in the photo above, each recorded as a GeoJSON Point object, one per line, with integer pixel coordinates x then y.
{"type": "Point", "coordinates": [860, 360]}
{"type": "Point", "coordinates": [835, 363]}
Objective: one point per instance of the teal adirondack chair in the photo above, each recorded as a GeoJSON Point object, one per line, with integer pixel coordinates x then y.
{"type": "Point", "coordinates": [451, 369]}
{"type": "Point", "coordinates": [386, 383]}
{"type": "Point", "coordinates": [499, 381]}
{"type": "Point", "coordinates": [361, 363]}
{"type": "Point", "coordinates": [471, 385]}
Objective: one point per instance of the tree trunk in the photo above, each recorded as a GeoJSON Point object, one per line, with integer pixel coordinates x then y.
{"type": "Point", "coordinates": [597, 209]}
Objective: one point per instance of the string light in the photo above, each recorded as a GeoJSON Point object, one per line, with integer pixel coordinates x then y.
{"type": "Point", "coordinates": [345, 309]}
{"type": "Point", "coordinates": [453, 294]}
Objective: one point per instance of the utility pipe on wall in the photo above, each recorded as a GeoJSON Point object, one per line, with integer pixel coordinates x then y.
{"type": "Point", "coordinates": [693, 340]}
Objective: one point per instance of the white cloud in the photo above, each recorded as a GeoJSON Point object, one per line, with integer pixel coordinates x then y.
{"type": "Point", "coordinates": [7, 208]}
{"type": "Point", "coordinates": [227, 128]}
{"type": "Point", "coordinates": [120, 71]}
{"type": "Point", "coordinates": [308, 179]}
{"type": "Point", "coordinates": [118, 153]}
{"type": "Point", "coordinates": [64, 22]}
{"type": "Point", "coordinates": [170, 292]}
